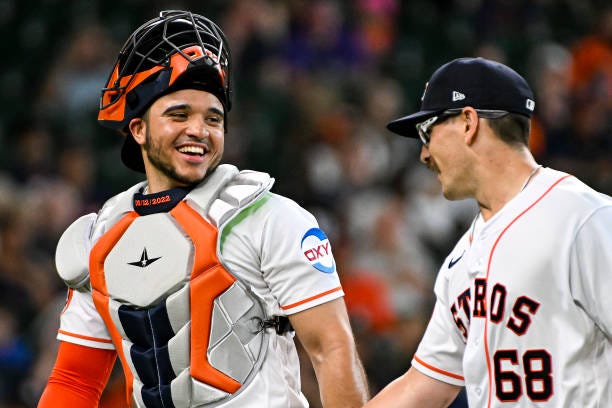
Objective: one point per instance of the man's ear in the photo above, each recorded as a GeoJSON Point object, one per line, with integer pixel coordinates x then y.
{"type": "Point", "coordinates": [470, 118]}
{"type": "Point", "coordinates": [138, 129]}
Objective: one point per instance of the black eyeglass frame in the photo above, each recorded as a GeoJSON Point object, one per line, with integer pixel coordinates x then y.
{"type": "Point", "coordinates": [423, 128]}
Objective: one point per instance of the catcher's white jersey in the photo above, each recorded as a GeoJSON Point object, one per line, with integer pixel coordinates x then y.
{"type": "Point", "coordinates": [276, 249]}
{"type": "Point", "coordinates": [523, 316]}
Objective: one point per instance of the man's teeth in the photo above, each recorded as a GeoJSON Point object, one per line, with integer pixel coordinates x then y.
{"type": "Point", "coordinates": [192, 150]}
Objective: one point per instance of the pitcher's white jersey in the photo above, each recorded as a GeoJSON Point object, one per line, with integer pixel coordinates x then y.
{"type": "Point", "coordinates": [523, 316]}
{"type": "Point", "coordinates": [275, 248]}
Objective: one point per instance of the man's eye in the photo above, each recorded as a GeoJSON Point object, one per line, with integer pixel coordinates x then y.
{"type": "Point", "coordinates": [178, 115]}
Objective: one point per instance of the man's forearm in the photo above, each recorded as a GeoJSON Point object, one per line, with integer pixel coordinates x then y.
{"type": "Point", "coordinates": [326, 335]}
{"type": "Point", "coordinates": [417, 390]}
{"type": "Point", "coordinates": [341, 378]}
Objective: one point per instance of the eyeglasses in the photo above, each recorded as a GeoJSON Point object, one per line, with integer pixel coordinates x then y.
{"type": "Point", "coordinates": [424, 128]}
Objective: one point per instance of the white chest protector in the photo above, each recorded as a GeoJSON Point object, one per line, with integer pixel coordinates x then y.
{"type": "Point", "coordinates": [188, 332]}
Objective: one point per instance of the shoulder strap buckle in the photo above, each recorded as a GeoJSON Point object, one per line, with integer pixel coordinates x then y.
{"type": "Point", "coordinates": [281, 324]}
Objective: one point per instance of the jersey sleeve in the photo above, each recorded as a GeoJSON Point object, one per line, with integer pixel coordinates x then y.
{"type": "Point", "coordinates": [80, 322]}
{"type": "Point", "coordinates": [78, 377]}
{"type": "Point", "coordinates": [591, 268]}
{"type": "Point", "coordinates": [440, 352]}
{"type": "Point", "coordinates": [296, 257]}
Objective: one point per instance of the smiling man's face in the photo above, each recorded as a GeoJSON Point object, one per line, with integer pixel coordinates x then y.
{"type": "Point", "coordinates": [182, 136]}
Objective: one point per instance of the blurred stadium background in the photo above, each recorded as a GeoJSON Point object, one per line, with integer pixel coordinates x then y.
{"type": "Point", "coordinates": [315, 83]}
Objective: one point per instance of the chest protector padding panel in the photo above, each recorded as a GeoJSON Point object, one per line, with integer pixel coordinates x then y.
{"type": "Point", "coordinates": [186, 329]}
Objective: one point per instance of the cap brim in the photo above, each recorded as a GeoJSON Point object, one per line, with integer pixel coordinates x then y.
{"type": "Point", "coordinates": [406, 126]}
{"type": "Point", "coordinates": [131, 154]}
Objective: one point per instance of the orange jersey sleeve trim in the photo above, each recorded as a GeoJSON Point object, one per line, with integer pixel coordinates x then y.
{"type": "Point", "coordinates": [310, 299]}
{"type": "Point", "coordinates": [437, 370]}
{"type": "Point", "coordinates": [78, 377]}
{"type": "Point", "coordinates": [80, 336]}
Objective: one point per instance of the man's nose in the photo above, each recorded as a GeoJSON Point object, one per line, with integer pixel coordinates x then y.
{"type": "Point", "coordinates": [197, 127]}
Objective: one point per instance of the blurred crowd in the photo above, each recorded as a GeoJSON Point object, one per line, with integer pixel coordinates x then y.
{"type": "Point", "coordinates": [316, 81]}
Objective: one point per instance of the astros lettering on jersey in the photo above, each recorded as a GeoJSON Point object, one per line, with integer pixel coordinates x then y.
{"type": "Point", "coordinates": [530, 320]}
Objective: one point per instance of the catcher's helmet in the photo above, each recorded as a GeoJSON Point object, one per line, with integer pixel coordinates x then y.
{"type": "Point", "coordinates": [174, 51]}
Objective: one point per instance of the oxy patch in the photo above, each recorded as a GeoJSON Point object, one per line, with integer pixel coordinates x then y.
{"type": "Point", "coordinates": [317, 249]}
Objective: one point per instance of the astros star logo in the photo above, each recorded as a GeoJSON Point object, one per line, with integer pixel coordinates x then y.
{"type": "Point", "coordinates": [144, 260]}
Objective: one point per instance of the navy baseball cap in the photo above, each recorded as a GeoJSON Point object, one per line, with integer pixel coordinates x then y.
{"type": "Point", "coordinates": [475, 82]}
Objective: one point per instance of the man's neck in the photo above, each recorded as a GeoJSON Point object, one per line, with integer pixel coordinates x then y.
{"type": "Point", "coordinates": [502, 178]}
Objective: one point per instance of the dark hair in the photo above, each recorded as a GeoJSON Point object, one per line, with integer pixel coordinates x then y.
{"type": "Point", "coordinates": [512, 128]}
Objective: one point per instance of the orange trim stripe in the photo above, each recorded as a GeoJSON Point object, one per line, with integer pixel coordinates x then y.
{"type": "Point", "coordinates": [301, 302]}
{"type": "Point", "coordinates": [438, 370]}
{"type": "Point", "coordinates": [80, 336]}
{"type": "Point", "coordinates": [486, 325]}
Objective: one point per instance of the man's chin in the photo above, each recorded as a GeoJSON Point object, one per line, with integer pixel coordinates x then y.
{"type": "Point", "coordinates": [450, 194]}
{"type": "Point", "coordinates": [453, 195]}
{"type": "Point", "coordinates": [193, 180]}
{"type": "Point", "coordinates": [183, 175]}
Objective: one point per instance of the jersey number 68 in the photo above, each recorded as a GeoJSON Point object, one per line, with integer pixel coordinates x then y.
{"type": "Point", "coordinates": [538, 378]}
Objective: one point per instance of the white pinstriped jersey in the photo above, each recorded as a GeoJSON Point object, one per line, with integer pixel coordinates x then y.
{"type": "Point", "coordinates": [523, 315]}
{"type": "Point", "coordinates": [276, 249]}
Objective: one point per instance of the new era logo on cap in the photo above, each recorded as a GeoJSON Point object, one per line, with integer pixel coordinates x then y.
{"type": "Point", "coordinates": [458, 96]}
{"type": "Point", "coordinates": [530, 104]}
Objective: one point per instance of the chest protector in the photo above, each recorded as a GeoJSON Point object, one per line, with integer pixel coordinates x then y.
{"type": "Point", "coordinates": [188, 332]}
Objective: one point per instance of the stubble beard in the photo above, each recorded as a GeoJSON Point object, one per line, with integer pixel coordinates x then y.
{"type": "Point", "coordinates": [155, 158]}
